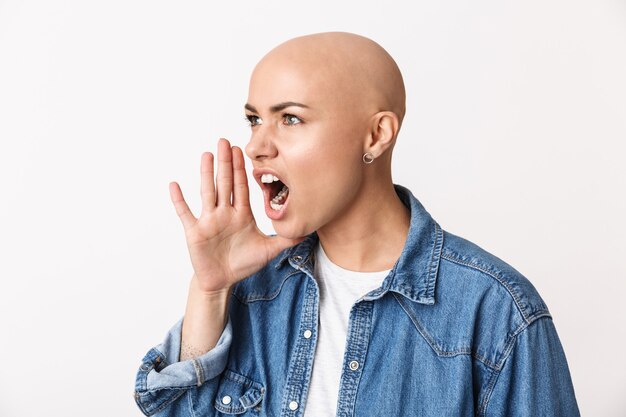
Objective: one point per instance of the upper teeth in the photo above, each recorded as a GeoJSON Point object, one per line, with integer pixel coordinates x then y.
{"type": "Point", "coordinates": [268, 178]}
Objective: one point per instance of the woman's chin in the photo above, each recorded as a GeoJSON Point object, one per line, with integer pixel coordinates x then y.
{"type": "Point", "coordinates": [290, 231]}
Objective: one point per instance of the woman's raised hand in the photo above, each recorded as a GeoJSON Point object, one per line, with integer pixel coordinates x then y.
{"type": "Point", "coordinates": [225, 244]}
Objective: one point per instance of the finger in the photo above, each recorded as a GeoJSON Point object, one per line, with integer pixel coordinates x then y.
{"type": "Point", "coordinates": [241, 193]}
{"type": "Point", "coordinates": [182, 209]}
{"type": "Point", "coordinates": [207, 182]}
{"type": "Point", "coordinates": [224, 172]}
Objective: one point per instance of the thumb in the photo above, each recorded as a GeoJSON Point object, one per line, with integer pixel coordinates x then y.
{"type": "Point", "coordinates": [276, 244]}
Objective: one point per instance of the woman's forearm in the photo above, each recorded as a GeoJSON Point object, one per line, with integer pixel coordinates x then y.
{"type": "Point", "coordinates": [206, 316]}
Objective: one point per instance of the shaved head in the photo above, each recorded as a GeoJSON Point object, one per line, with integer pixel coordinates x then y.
{"type": "Point", "coordinates": [356, 70]}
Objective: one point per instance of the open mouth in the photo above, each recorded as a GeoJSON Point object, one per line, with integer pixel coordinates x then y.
{"type": "Point", "coordinates": [278, 191]}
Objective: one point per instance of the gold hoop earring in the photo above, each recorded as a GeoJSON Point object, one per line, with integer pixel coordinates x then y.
{"type": "Point", "coordinates": [368, 158]}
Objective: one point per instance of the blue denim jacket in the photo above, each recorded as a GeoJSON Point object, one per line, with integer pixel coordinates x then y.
{"type": "Point", "coordinates": [451, 331]}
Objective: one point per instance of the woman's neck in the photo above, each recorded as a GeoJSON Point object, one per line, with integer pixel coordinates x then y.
{"type": "Point", "coordinates": [371, 234]}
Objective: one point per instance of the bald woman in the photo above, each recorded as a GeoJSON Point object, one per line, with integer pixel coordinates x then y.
{"type": "Point", "coordinates": [361, 305]}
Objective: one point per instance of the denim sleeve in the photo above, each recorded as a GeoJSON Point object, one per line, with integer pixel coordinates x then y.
{"type": "Point", "coordinates": [162, 379]}
{"type": "Point", "coordinates": [535, 379]}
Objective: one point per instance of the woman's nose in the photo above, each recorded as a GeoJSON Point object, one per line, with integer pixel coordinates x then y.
{"type": "Point", "coordinates": [261, 145]}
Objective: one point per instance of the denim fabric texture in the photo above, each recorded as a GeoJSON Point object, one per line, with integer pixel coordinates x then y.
{"type": "Point", "coordinates": [452, 331]}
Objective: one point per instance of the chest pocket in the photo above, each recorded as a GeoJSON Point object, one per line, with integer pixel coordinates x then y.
{"type": "Point", "coordinates": [237, 394]}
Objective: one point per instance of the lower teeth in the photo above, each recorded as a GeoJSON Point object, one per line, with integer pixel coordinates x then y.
{"type": "Point", "coordinates": [276, 203]}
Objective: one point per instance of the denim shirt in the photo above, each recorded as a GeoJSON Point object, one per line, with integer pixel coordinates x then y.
{"type": "Point", "coordinates": [451, 331]}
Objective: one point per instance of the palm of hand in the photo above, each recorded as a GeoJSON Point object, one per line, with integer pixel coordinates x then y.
{"type": "Point", "coordinates": [225, 245]}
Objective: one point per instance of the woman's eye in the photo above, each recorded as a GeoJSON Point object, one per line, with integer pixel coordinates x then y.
{"type": "Point", "coordinates": [253, 120]}
{"type": "Point", "coordinates": [291, 120]}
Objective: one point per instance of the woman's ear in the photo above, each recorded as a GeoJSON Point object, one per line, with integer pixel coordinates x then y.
{"type": "Point", "coordinates": [383, 132]}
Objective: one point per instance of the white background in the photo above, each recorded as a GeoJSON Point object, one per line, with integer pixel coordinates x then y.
{"type": "Point", "coordinates": [514, 138]}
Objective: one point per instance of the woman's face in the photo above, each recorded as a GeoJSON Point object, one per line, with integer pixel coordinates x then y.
{"type": "Point", "coordinates": [309, 135]}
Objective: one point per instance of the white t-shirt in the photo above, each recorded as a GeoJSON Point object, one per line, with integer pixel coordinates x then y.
{"type": "Point", "coordinates": [339, 290]}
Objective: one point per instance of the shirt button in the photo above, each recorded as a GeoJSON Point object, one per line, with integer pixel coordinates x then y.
{"type": "Point", "coordinates": [226, 400]}
{"type": "Point", "coordinates": [297, 258]}
{"type": "Point", "coordinates": [293, 405]}
{"type": "Point", "coordinates": [307, 334]}
{"type": "Point", "coordinates": [354, 365]}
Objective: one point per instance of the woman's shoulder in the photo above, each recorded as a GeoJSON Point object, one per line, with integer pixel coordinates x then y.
{"type": "Point", "coordinates": [466, 264]}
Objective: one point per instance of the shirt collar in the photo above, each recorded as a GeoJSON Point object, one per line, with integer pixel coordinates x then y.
{"type": "Point", "coordinates": [414, 274]}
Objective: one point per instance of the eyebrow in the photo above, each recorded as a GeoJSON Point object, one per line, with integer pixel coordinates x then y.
{"type": "Point", "coordinates": [277, 107]}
